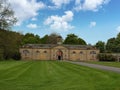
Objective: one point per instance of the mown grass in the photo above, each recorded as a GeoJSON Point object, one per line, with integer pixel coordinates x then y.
{"type": "Point", "coordinates": [113, 64]}
{"type": "Point", "coordinates": [54, 75]}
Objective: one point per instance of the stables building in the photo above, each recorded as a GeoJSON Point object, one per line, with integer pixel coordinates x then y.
{"type": "Point", "coordinates": [58, 52]}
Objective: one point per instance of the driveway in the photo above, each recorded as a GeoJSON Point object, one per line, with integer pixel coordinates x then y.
{"type": "Point", "coordinates": [102, 67]}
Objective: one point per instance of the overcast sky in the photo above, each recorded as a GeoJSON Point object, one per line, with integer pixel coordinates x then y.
{"type": "Point", "coordinates": [92, 20]}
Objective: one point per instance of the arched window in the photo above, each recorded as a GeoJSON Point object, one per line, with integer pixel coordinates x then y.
{"type": "Point", "coordinates": [45, 51]}
{"type": "Point", "coordinates": [92, 52]}
{"type": "Point", "coordinates": [37, 51]}
{"type": "Point", "coordinates": [74, 52]}
{"type": "Point", "coordinates": [26, 52]}
{"type": "Point", "coordinates": [81, 52]}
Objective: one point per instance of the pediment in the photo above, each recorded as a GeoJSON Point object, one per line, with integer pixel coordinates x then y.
{"type": "Point", "coordinates": [60, 47]}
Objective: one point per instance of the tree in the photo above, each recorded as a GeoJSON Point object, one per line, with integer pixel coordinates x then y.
{"type": "Point", "coordinates": [117, 43]}
{"type": "Point", "coordinates": [71, 39]}
{"type": "Point", "coordinates": [30, 38]}
{"type": "Point", "coordinates": [53, 38]}
{"type": "Point", "coordinates": [74, 40]}
{"type": "Point", "coordinates": [9, 43]}
{"type": "Point", "coordinates": [7, 18]}
{"type": "Point", "coordinates": [101, 46]}
{"type": "Point", "coordinates": [44, 39]}
{"type": "Point", "coordinates": [81, 41]}
{"type": "Point", "coordinates": [111, 45]}
{"type": "Point", "coordinates": [118, 38]}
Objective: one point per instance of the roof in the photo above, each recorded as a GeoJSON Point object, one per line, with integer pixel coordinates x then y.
{"type": "Point", "coordinates": [47, 46]}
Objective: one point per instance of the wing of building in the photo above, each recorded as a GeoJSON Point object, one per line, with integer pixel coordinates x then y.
{"type": "Point", "coordinates": [58, 52]}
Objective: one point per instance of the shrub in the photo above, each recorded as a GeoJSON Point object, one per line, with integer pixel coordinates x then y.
{"type": "Point", "coordinates": [16, 56]}
{"type": "Point", "coordinates": [107, 57]}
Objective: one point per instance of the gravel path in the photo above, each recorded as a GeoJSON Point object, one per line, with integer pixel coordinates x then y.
{"type": "Point", "coordinates": [108, 68]}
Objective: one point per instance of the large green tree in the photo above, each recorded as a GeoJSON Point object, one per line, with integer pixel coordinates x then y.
{"type": "Point", "coordinates": [118, 39]}
{"type": "Point", "coordinates": [111, 45]}
{"type": "Point", "coordinates": [7, 18]}
{"type": "Point", "coordinates": [44, 40]}
{"type": "Point", "coordinates": [30, 38]}
{"type": "Point", "coordinates": [9, 44]}
{"type": "Point", "coordinates": [117, 43]}
{"type": "Point", "coordinates": [81, 41]}
{"type": "Point", "coordinates": [74, 40]}
{"type": "Point", "coordinates": [53, 38]}
{"type": "Point", "coordinates": [101, 46]}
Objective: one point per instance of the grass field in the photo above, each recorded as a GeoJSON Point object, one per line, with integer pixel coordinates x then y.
{"type": "Point", "coordinates": [54, 75]}
{"type": "Point", "coordinates": [113, 64]}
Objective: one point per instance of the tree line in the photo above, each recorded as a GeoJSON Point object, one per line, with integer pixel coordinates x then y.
{"type": "Point", "coordinates": [10, 42]}
{"type": "Point", "coordinates": [111, 46]}
{"type": "Point", "coordinates": [107, 49]}
{"type": "Point", "coordinates": [52, 39]}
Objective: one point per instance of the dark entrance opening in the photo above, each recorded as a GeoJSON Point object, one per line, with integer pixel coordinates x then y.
{"type": "Point", "coordinates": [59, 55]}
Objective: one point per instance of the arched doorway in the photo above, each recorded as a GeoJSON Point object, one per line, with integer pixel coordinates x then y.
{"type": "Point", "coordinates": [59, 55]}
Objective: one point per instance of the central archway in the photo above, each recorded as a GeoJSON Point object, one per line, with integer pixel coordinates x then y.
{"type": "Point", "coordinates": [59, 55]}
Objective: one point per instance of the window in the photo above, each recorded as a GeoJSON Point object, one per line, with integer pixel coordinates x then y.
{"type": "Point", "coordinates": [81, 52]}
{"type": "Point", "coordinates": [92, 52]}
{"type": "Point", "coordinates": [45, 51]}
{"type": "Point", "coordinates": [37, 51]}
{"type": "Point", "coordinates": [26, 52]}
{"type": "Point", "coordinates": [74, 52]}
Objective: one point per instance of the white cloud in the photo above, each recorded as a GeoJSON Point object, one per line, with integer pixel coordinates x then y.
{"type": "Point", "coordinates": [92, 24]}
{"type": "Point", "coordinates": [32, 26]}
{"type": "Point", "coordinates": [26, 9]}
{"type": "Point", "coordinates": [34, 19]}
{"type": "Point", "coordinates": [60, 23]}
{"type": "Point", "coordinates": [59, 3]}
{"type": "Point", "coordinates": [118, 29]}
{"type": "Point", "coordinates": [78, 8]}
{"type": "Point", "coordinates": [92, 5]}
{"type": "Point", "coordinates": [77, 2]}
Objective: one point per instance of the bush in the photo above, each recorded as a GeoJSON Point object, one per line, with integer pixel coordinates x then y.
{"type": "Point", "coordinates": [107, 57]}
{"type": "Point", "coordinates": [16, 56]}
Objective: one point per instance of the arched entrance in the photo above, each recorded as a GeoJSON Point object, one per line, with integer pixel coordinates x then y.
{"type": "Point", "coordinates": [59, 55]}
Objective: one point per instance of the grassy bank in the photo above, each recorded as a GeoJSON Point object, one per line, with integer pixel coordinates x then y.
{"type": "Point", "coordinates": [113, 64]}
{"type": "Point", "coordinates": [54, 75]}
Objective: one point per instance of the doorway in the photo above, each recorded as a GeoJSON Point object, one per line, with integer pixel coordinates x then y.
{"type": "Point", "coordinates": [59, 55]}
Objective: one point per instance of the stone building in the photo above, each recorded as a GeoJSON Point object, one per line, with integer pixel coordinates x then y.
{"type": "Point", "coordinates": [58, 52]}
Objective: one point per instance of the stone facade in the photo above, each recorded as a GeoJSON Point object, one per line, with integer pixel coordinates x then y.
{"type": "Point", "coordinates": [58, 52]}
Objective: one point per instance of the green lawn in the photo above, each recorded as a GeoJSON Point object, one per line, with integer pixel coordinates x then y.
{"type": "Point", "coordinates": [54, 75]}
{"type": "Point", "coordinates": [113, 64]}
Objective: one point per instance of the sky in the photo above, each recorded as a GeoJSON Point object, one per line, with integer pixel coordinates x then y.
{"type": "Point", "coordinates": [91, 20]}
